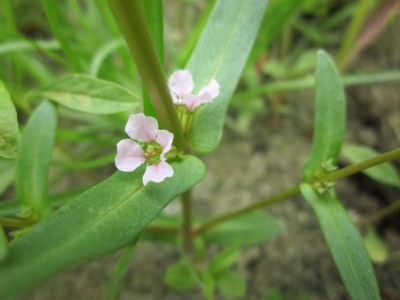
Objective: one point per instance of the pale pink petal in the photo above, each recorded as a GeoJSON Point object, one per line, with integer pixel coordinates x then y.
{"type": "Point", "coordinates": [181, 83]}
{"type": "Point", "coordinates": [175, 99]}
{"type": "Point", "coordinates": [210, 91]}
{"type": "Point", "coordinates": [142, 128]}
{"type": "Point", "coordinates": [191, 101]}
{"type": "Point", "coordinates": [165, 138]}
{"type": "Point", "coordinates": [129, 156]}
{"type": "Point", "coordinates": [157, 172]}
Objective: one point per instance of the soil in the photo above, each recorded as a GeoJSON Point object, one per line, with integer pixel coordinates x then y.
{"type": "Point", "coordinates": [269, 159]}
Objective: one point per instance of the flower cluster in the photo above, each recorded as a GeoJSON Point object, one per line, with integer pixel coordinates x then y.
{"type": "Point", "coordinates": [147, 145]}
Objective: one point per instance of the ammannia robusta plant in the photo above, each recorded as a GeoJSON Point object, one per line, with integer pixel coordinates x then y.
{"type": "Point", "coordinates": [157, 163]}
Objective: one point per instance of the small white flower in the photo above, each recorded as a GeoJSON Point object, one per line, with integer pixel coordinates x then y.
{"type": "Point", "coordinates": [147, 144]}
{"type": "Point", "coordinates": [181, 87]}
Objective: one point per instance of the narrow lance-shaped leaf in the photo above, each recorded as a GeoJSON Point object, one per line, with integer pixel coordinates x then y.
{"type": "Point", "coordinates": [329, 121]}
{"type": "Point", "coordinates": [89, 94]}
{"type": "Point", "coordinates": [105, 218]}
{"type": "Point", "coordinates": [221, 53]}
{"type": "Point", "coordinates": [345, 244]}
{"type": "Point", "coordinates": [33, 159]}
{"type": "Point", "coordinates": [9, 134]}
{"type": "Point", "coordinates": [385, 173]}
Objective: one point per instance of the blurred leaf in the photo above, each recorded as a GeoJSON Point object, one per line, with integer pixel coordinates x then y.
{"type": "Point", "coordinates": [88, 94]}
{"type": "Point", "coordinates": [7, 173]}
{"type": "Point", "coordinates": [273, 294]}
{"type": "Point", "coordinates": [224, 260]}
{"type": "Point", "coordinates": [121, 268]}
{"type": "Point", "coordinates": [248, 229]}
{"type": "Point", "coordinates": [231, 285]}
{"type": "Point", "coordinates": [329, 120]}
{"type": "Point", "coordinates": [276, 19]}
{"type": "Point", "coordinates": [33, 160]}
{"type": "Point", "coordinates": [195, 34]}
{"type": "Point", "coordinates": [9, 134]}
{"type": "Point", "coordinates": [221, 53]}
{"type": "Point", "coordinates": [101, 220]}
{"type": "Point", "coordinates": [181, 276]}
{"type": "Point", "coordinates": [376, 248]}
{"type": "Point", "coordinates": [345, 244]}
{"type": "Point", "coordinates": [163, 221]}
{"type": "Point", "coordinates": [385, 173]}
{"type": "Point", "coordinates": [3, 245]}
{"type": "Point", "coordinates": [207, 285]}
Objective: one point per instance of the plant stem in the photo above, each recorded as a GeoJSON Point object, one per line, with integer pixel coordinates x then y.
{"type": "Point", "coordinates": [381, 214]}
{"type": "Point", "coordinates": [344, 172]}
{"type": "Point", "coordinates": [259, 204]}
{"type": "Point", "coordinates": [187, 221]}
{"type": "Point", "coordinates": [134, 27]}
{"type": "Point", "coordinates": [14, 222]}
{"type": "Point", "coordinates": [366, 164]}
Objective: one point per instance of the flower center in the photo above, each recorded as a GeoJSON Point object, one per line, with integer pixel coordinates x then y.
{"type": "Point", "coordinates": [152, 152]}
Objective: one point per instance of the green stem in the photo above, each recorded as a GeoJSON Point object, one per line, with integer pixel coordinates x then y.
{"type": "Point", "coordinates": [15, 222]}
{"type": "Point", "coordinates": [259, 204]}
{"type": "Point", "coordinates": [134, 27]}
{"type": "Point", "coordinates": [344, 172]}
{"type": "Point", "coordinates": [187, 221]}
{"type": "Point", "coordinates": [381, 214]}
{"type": "Point", "coordinates": [309, 82]}
{"type": "Point", "coordinates": [366, 164]}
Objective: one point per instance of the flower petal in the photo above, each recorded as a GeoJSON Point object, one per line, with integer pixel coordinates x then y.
{"type": "Point", "coordinates": [181, 83]}
{"type": "Point", "coordinates": [129, 156]}
{"type": "Point", "coordinates": [142, 128]}
{"type": "Point", "coordinates": [210, 91]}
{"type": "Point", "coordinates": [157, 172]}
{"type": "Point", "coordinates": [165, 138]}
{"type": "Point", "coordinates": [206, 94]}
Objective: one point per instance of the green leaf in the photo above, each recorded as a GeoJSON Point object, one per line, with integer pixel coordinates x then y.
{"type": "Point", "coordinates": [231, 285]}
{"type": "Point", "coordinates": [384, 173]}
{"type": "Point", "coordinates": [248, 229]}
{"type": "Point", "coordinates": [221, 53]}
{"type": "Point", "coordinates": [89, 94]}
{"type": "Point", "coordinates": [376, 248]}
{"type": "Point", "coordinates": [33, 160]}
{"type": "Point", "coordinates": [329, 122]}
{"type": "Point", "coordinates": [224, 260]}
{"type": "Point", "coordinates": [181, 276]}
{"type": "Point", "coordinates": [7, 173]}
{"type": "Point", "coordinates": [345, 244]}
{"type": "Point", "coordinates": [9, 134]}
{"type": "Point", "coordinates": [101, 220]}
{"type": "Point", "coordinates": [3, 244]}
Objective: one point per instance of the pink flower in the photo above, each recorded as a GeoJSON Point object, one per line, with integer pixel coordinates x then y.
{"type": "Point", "coordinates": [147, 144]}
{"type": "Point", "coordinates": [181, 87]}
